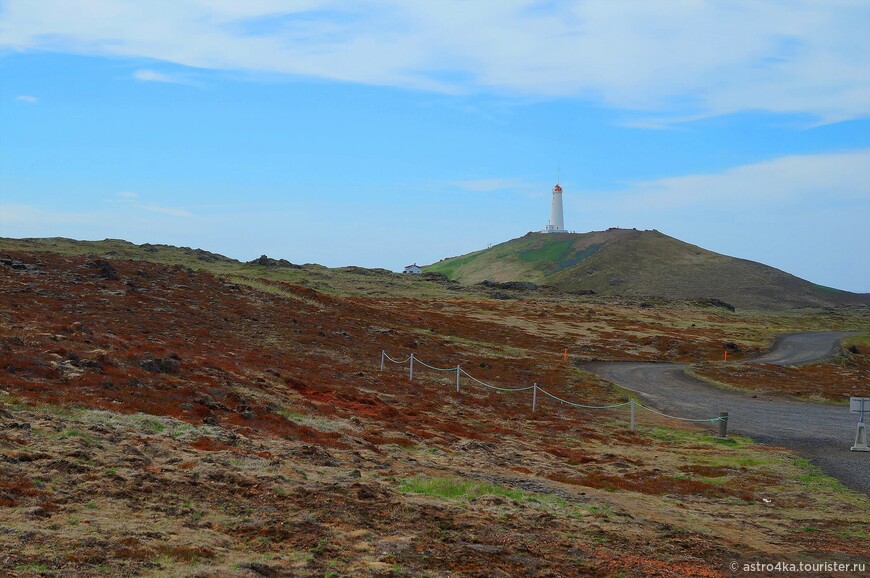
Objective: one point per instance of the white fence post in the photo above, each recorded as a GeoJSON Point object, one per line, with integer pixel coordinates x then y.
{"type": "Point", "coordinates": [411, 374]}
{"type": "Point", "coordinates": [632, 414]}
{"type": "Point", "coordinates": [382, 359]}
{"type": "Point", "coordinates": [457, 379]}
{"type": "Point", "coordinates": [534, 397]}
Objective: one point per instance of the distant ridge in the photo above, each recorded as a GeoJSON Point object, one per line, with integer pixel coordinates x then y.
{"type": "Point", "coordinates": [640, 263]}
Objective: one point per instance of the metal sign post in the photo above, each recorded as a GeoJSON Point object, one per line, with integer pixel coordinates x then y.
{"type": "Point", "coordinates": [860, 405]}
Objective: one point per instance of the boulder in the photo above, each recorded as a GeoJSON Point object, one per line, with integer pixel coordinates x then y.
{"type": "Point", "coordinates": [161, 365]}
{"type": "Point", "coordinates": [104, 269]}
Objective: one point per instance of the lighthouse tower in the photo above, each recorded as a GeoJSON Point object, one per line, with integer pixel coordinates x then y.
{"type": "Point", "coordinates": [557, 223]}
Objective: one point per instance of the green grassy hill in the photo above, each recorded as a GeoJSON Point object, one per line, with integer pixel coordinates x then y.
{"type": "Point", "coordinates": [640, 263]}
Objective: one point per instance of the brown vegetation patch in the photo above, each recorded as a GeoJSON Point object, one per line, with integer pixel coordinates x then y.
{"type": "Point", "coordinates": [207, 444]}
{"type": "Point", "coordinates": [654, 483]}
{"type": "Point", "coordinates": [835, 380]}
{"type": "Point", "coordinates": [14, 488]}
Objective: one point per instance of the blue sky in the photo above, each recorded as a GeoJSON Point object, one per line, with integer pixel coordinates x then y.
{"type": "Point", "coordinates": [380, 133]}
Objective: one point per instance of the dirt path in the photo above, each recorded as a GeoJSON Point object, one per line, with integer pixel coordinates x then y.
{"type": "Point", "coordinates": [821, 433]}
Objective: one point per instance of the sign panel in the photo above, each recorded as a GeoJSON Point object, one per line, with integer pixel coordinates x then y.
{"type": "Point", "coordinates": [855, 405]}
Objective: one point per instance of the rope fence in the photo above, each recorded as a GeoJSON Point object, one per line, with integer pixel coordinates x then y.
{"type": "Point", "coordinates": [722, 419]}
{"type": "Point", "coordinates": [471, 377]}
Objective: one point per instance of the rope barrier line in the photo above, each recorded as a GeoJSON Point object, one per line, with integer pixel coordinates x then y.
{"type": "Point", "coordinates": [412, 358]}
{"type": "Point", "coordinates": [545, 392]}
{"type": "Point", "coordinates": [494, 387]}
{"type": "Point", "coordinates": [406, 360]}
{"type": "Point", "coordinates": [417, 359]}
{"type": "Point", "coordinates": [711, 420]}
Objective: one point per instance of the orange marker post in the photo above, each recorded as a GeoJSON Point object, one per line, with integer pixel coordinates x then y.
{"type": "Point", "coordinates": [726, 356]}
{"type": "Point", "coordinates": [565, 355]}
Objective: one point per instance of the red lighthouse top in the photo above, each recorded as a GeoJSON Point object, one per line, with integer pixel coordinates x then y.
{"type": "Point", "coordinates": [557, 189]}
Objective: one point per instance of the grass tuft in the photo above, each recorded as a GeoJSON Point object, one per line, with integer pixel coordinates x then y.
{"type": "Point", "coordinates": [453, 488]}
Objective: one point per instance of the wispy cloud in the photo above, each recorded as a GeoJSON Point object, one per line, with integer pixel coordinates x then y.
{"type": "Point", "coordinates": [147, 75]}
{"type": "Point", "coordinates": [151, 76]}
{"type": "Point", "coordinates": [677, 60]}
{"type": "Point", "coordinates": [132, 200]}
{"type": "Point", "coordinates": [816, 179]}
{"type": "Point", "coordinates": [26, 98]}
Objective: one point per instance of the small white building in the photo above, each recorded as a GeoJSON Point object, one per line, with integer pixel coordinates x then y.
{"type": "Point", "coordinates": [413, 269]}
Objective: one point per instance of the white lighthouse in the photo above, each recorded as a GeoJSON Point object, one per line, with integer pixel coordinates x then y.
{"type": "Point", "coordinates": [557, 223]}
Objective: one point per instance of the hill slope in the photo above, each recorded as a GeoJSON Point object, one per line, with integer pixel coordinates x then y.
{"type": "Point", "coordinates": [640, 263]}
{"type": "Point", "coordinates": [337, 281]}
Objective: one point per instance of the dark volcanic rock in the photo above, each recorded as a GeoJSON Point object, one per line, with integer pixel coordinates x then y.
{"type": "Point", "coordinates": [438, 278]}
{"type": "Point", "coordinates": [210, 402]}
{"type": "Point", "coordinates": [269, 262]}
{"type": "Point", "coordinates": [160, 365]}
{"type": "Point", "coordinates": [36, 513]}
{"type": "Point", "coordinates": [316, 455]}
{"type": "Point", "coordinates": [520, 286]}
{"type": "Point", "coordinates": [263, 570]}
{"type": "Point", "coordinates": [104, 269]}
{"type": "Point", "coordinates": [16, 264]}
{"type": "Point", "coordinates": [206, 256]}
{"type": "Point", "coordinates": [510, 285]}
{"type": "Point", "coordinates": [717, 303]}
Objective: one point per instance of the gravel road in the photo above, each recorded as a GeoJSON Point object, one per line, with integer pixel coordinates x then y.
{"type": "Point", "coordinates": [821, 433]}
{"type": "Point", "coordinates": [798, 348]}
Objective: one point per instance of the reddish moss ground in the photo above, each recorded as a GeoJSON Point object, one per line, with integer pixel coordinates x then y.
{"type": "Point", "coordinates": [836, 380]}
{"type": "Point", "coordinates": [161, 420]}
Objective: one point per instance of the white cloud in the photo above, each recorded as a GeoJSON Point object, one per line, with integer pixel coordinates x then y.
{"type": "Point", "coordinates": [132, 200]}
{"type": "Point", "coordinates": [151, 76]}
{"type": "Point", "coordinates": [680, 59]}
{"type": "Point", "coordinates": [147, 75]}
{"type": "Point", "coordinates": [818, 178]}
{"type": "Point", "coordinates": [26, 98]}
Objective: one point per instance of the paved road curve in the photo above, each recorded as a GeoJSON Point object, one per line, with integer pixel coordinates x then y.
{"type": "Point", "coordinates": [819, 432]}
{"type": "Point", "coordinates": [798, 348]}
